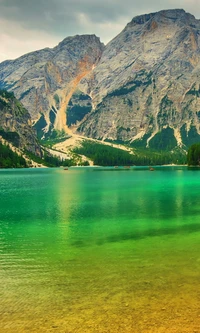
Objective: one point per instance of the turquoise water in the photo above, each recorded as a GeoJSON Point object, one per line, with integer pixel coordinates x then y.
{"type": "Point", "coordinates": [100, 250]}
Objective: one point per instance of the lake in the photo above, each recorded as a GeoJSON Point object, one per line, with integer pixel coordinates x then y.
{"type": "Point", "coordinates": [100, 250]}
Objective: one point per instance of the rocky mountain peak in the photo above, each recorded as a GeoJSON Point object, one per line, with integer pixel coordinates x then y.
{"type": "Point", "coordinates": [79, 43]}
{"type": "Point", "coordinates": [169, 16]}
{"type": "Point", "coordinates": [80, 38]}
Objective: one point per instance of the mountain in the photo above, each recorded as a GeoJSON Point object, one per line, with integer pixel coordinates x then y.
{"type": "Point", "coordinates": [45, 80]}
{"type": "Point", "coordinates": [16, 125]}
{"type": "Point", "coordinates": [142, 88]}
{"type": "Point", "coordinates": [145, 89]}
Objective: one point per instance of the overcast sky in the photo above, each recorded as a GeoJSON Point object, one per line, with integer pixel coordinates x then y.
{"type": "Point", "coordinates": [28, 25]}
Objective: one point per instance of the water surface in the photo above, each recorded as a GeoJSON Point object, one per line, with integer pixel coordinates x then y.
{"type": "Point", "coordinates": [100, 250]}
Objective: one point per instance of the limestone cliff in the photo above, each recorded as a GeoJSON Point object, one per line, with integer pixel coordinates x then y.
{"type": "Point", "coordinates": [45, 80]}
{"type": "Point", "coordinates": [146, 85]}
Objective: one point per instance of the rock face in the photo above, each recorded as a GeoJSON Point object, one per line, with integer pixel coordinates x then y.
{"type": "Point", "coordinates": [16, 125]}
{"type": "Point", "coordinates": [142, 88]}
{"type": "Point", "coordinates": [146, 85]}
{"type": "Point", "coordinates": [45, 80]}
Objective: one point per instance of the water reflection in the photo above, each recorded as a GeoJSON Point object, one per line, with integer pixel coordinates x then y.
{"type": "Point", "coordinates": [92, 207]}
{"type": "Point", "coordinates": [81, 245]}
{"type": "Point", "coordinates": [132, 205]}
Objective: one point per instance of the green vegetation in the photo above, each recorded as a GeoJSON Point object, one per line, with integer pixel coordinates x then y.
{"type": "Point", "coordinates": [49, 160]}
{"type": "Point", "coordinates": [12, 137]}
{"type": "Point", "coordinates": [141, 143]}
{"type": "Point", "coordinates": [142, 78]}
{"type": "Point", "coordinates": [25, 93]}
{"type": "Point", "coordinates": [163, 140]}
{"type": "Point", "coordinates": [56, 99]}
{"type": "Point", "coordinates": [39, 125]}
{"type": "Point", "coordinates": [10, 159]}
{"type": "Point", "coordinates": [167, 112]}
{"type": "Point", "coordinates": [118, 142]}
{"type": "Point", "coordinates": [19, 110]}
{"type": "Point", "coordinates": [109, 156]}
{"type": "Point", "coordinates": [52, 115]}
{"type": "Point", "coordinates": [6, 95]}
{"type": "Point", "coordinates": [193, 157]}
{"type": "Point", "coordinates": [77, 113]}
{"type": "Point", "coordinates": [46, 160]}
{"type": "Point", "coordinates": [55, 137]}
{"type": "Point", "coordinates": [149, 100]}
{"type": "Point", "coordinates": [127, 88]}
{"type": "Point", "coordinates": [52, 135]}
{"type": "Point", "coordinates": [53, 161]}
{"type": "Point", "coordinates": [190, 137]}
{"type": "Point", "coordinates": [166, 102]}
{"type": "Point", "coordinates": [194, 92]}
{"type": "Point", "coordinates": [6, 99]}
{"type": "Point", "coordinates": [81, 96]}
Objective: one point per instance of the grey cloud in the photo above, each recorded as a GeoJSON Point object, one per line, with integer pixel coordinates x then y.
{"type": "Point", "coordinates": [61, 18]}
{"type": "Point", "coordinates": [56, 15]}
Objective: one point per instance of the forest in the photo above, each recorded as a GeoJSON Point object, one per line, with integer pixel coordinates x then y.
{"type": "Point", "coordinates": [193, 157]}
{"type": "Point", "coordinates": [105, 155]}
{"type": "Point", "coordinates": [10, 159]}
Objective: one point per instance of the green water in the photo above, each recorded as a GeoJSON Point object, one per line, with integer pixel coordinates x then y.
{"type": "Point", "coordinates": [100, 250]}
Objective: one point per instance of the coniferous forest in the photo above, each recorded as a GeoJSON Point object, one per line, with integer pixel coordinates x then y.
{"type": "Point", "coordinates": [10, 159]}
{"type": "Point", "coordinates": [193, 157]}
{"type": "Point", "coordinates": [109, 156]}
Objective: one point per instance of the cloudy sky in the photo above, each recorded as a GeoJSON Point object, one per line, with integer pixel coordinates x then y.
{"type": "Point", "coordinates": [28, 25]}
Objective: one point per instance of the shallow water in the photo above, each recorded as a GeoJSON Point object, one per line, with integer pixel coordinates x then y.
{"type": "Point", "coordinates": [100, 250]}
